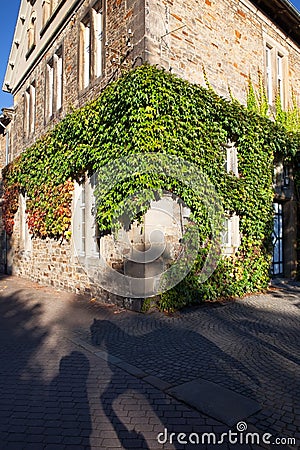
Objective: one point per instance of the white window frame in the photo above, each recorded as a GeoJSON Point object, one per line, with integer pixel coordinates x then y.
{"type": "Point", "coordinates": [280, 78]}
{"type": "Point", "coordinates": [231, 158]}
{"type": "Point", "coordinates": [32, 107]}
{"type": "Point", "coordinates": [25, 237]}
{"type": "Point", "coordinates": [231, 230]}
{"type": "Point", "coordinates": [85, 233]}
{"type": "Point", "coordinates": [59, 79]}
{"type": "Point", "coordinates": [276, 70]}
{"type": "Point", "coordinates": [50, 88]}
{"type": "Point", "coordinates": [91, 54]}
{"type": "Point", "coordinates": [83, 227]}
{"type": "Point", "coordinates": [269, 75]}
{"type": "Point", "coordinates": [231, 239]}
{"type": "Point", "coordinates": [98, 36]}
{"type": "Point", "coordinates": [31, 32]}
{"type": "Point", "coordinates": [86, 52]}
{"type": "Point", "coordinates": [29, 109]}
{"type": "Point", "coordinates": [54, 94]}
{"type": "Point", "coordinates": [46, 8]}
{"type": "Point", "coordinates": [26, 111]}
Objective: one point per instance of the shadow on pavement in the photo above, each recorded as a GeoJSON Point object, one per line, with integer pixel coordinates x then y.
{"type": "Point", "coordinates": [108, 335]}
{"type": "Point", "coordinates": [33, 411]}
{"type": "Point", "coordinates": [252, 350]}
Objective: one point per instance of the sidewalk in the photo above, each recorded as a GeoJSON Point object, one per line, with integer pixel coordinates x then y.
{"type": "Point", "coordinates": [76, 374]}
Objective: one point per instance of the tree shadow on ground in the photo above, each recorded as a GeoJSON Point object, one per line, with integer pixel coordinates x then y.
{"type": "Point", "coordinates": [109, 336]}
{"type": "Point", "coordinates": [252, 349]}
{"type": "Point", "coordinates": [32, 410]}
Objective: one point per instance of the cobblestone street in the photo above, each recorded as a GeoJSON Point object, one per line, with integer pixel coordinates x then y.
{"type": "Point", "coordinates": [76, 374]}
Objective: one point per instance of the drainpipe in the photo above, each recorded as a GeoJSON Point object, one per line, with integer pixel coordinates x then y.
{"type": "Point", "coordinates": [6, 162]}
{"type": "Point", "coordinates": [7, 148]}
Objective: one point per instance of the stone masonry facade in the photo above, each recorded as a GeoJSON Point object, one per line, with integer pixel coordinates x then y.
{"type": "Point", "coordinates": [227, 38]}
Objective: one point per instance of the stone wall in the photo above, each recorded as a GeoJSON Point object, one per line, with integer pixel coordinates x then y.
{"type": "Point", "coordinates": [225, 37]}
{"type": "Point", "coordinates": [2, 233]}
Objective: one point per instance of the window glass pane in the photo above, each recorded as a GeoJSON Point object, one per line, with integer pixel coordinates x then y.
{"type": "Point", "coordinates": [277, 240]}
{"type": "Point", "coordinates": [86, 55]}
{"type": "Point", "coordinates": [32, 107]}
{"type": "Point", "coordinates": [269, 74]}
{"type": "Point", "coordinates": [50, 89]}
{"type": "Point", "coordinates": [280, 77]}
{"type": "Point", "coordinates": [27, 112]}
{"type": "Point", "coordinates": [226, 241]}
{"type": "Point", "coordinates": [82, 220]}
{"type": "Point", "coordinates": [98, 42]}
{"type": "Point", "coordinates": [59, 81]}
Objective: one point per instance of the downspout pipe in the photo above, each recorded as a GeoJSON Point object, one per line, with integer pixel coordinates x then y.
{"type": "Point", "coordinates": [6, 161]}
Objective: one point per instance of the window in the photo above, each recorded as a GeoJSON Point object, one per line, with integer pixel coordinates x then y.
{"type": "Point", "coordinates": [86, 52]}
{"type": "Point", "coordinates": [86, 237]}
{"type": "Point", "coordinates": [54, 4]}
{"type": "Point", "coordinates": [54, 82]}
{"type": "Point", "coordinates": [269, 74]}
{"type": "Point", "coordinates": [226, 233]}
{"type": "Point", "coordinates": [31, 32]}
{"type": "Point", "coordinates": [46, 6]}
{"type": "Point", "coordinates": [280, 91]}
{"type": "Point", "coordinates": [59, 78]}
{"type": "Point", "coordinates": [50, 9]}
{"type": "Point", "coordinates": [91, 46]}
{"type": "Point", "coordinates": [282, 177]}
{"type": "Point", "coordinates": [82, 220]}
{"type": "Point", "coordinates": [277, 240]}
{"type": "Point", "coordinates": [95, 233]}
{"type": "Point", "coordinates": [98, 19]}
{"type": "Point", "coordinates": [276, 68]}
{"type": "Point", "coordinates": [230, 234]}
{"type": "Point", "coordinates": [25, 238]}
{"type": "Point", "coordinates": [50, 87]}
{"type": "Point", "coordinates": [231, 158]}
{"type": "Point", "coordinates": [29, 110]}
{"type": "Point", "coordinates": [231, 226]}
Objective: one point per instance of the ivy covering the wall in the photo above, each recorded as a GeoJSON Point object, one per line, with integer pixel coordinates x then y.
{"type": "Point", "coordinates": [257, 102]}
{"type": "Point", "coordinates": [149, 110]}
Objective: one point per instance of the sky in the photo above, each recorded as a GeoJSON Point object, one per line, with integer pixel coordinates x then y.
{"type": "Point", "coordinates": [8, 17]}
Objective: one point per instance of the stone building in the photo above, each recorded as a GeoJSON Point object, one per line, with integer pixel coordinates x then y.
{"type": "Point", "coordinates": [65, 52]}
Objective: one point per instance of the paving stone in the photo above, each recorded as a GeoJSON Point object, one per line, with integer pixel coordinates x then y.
{"type": "Point", "coordinates": [54, 447]}
{"type": "Point", "coordinates": [54, 439]}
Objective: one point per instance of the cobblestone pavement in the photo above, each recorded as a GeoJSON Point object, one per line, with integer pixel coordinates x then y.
{"type": "Point", "coordinates": [75, 374]}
